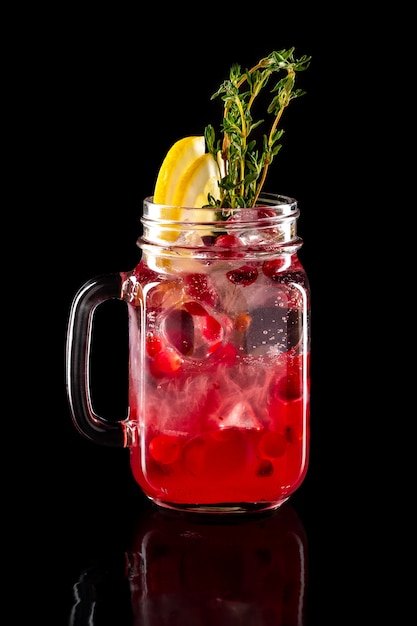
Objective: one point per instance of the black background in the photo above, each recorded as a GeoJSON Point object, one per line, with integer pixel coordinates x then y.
{"type": "Point", "coordinates": [105, 96]}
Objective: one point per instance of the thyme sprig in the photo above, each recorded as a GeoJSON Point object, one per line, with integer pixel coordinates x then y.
{"type": "Point", "coordinates": [244, 166]}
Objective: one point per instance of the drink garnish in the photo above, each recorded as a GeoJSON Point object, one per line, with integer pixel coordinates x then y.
{"type": "Point", "coordinates": [201, 171]}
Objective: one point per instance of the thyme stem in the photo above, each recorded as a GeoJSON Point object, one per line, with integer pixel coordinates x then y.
{"type": "Point", "coordinates": [245, 166]}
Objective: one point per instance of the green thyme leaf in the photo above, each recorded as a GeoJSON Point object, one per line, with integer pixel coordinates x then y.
{"type": "Point", "coordinates": [245, 164]}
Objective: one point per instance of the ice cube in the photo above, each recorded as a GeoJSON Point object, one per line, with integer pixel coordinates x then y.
{"type": "Point", "coordinates": [239, 415]}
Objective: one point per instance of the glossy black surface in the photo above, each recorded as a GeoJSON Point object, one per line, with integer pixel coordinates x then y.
{"type": "Point", "coordinates": [182, 570]}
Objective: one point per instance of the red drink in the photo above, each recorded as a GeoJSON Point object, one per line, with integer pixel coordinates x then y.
{"type": "Point", "coordinates": [219, 377]}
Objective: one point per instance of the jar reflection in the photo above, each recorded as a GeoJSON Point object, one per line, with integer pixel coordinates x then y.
{"type": "Point", "coordinates": [250, 571]}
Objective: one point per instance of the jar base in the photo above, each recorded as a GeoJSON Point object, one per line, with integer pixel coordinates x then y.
{"type": "Point", "coordinates": [221, 509]}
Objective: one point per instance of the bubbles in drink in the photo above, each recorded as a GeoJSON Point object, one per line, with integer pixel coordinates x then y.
{"type": "Point", "coordinates": [274, 330]}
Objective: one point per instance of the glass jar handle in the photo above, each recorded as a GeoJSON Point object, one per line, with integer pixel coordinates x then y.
{"type": "Point", "coordinates": [78, 361]}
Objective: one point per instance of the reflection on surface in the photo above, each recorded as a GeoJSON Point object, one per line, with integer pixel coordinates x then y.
{"type": "Point", "coordinates": [183, 571]}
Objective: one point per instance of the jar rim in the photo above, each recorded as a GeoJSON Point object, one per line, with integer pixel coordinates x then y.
{"type": "Point", "coordinates": [288, 203]}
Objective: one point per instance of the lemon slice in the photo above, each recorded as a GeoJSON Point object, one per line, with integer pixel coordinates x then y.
{"type": "Point", "coordinates": [186, 177]}
{"type": "Point", "coordinates": [177, 160]}
{"type": "Point", "coordinates": [200, 179]}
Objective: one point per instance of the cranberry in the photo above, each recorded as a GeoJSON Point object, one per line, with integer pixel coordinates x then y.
{"type": "Point", "coordinates": [153, 345]}
{"type": "Point", "coordinates": [194, 308]}
{"type": "Point", "coordinates": [144, 274]}
{"type": "Point", "coordinates": [245, 275]}
{"type": "Point", "coordinates": [228, 241]}
{"type": "Point", "coordinates": [287, 278]}
{"type": "Point", "coordinates": [199, 287]}
{"type": "Point", "coordinates": [265, 468]}
{"type": "Point", "coordinates": [229, 244]}
{"type": "Point", "coordinates": [208, 240]}
{"type": "Point", "coordinates": [263, 213]}
{"type": "Point", "coordinates": [212, 329]}
{"type": "Point", "coordinates": [224, 353]}
{"type": "Point", "coordinates": [270, 268]}
{"type": "Point", "coordinates": [293, 434]}
{"type": "Point", "coordinates": [165, 448]}
{"type": "Point", "coordinates": [290, 387]}
{"type": "Point", "coordinates": [166, 362]}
